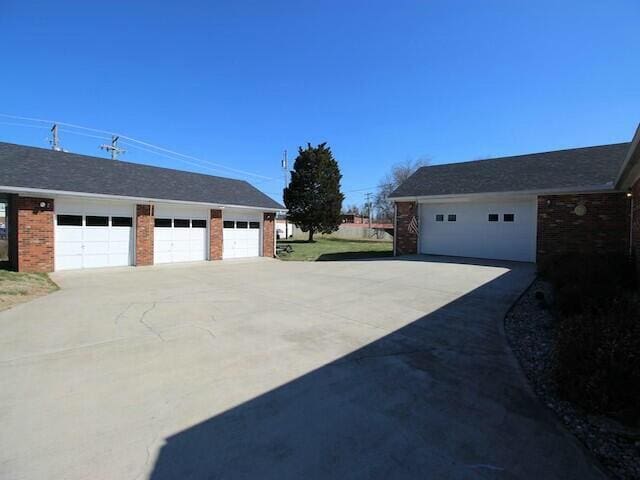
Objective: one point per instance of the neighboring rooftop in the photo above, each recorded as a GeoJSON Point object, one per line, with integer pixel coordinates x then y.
{"type": "Point", "coordinates": [39, 168]}
{"type": "Point", "coordinates": [577, 168]}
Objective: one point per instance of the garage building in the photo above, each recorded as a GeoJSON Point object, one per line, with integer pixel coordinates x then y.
{"type": "Point", "coordinates": [522, 208]}
{"type": "Point", "coordinates": [69, 211]}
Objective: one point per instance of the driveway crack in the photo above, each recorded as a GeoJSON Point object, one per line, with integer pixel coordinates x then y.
{"type": "Point", "coordinates": [149, 327]}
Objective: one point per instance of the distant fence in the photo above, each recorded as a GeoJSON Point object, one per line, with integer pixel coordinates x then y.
{"type": "Point", "coordinates": [350, 231]}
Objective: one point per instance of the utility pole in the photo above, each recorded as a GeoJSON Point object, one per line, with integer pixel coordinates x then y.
{"type": "Point", "coordinates": [113, 149]}
{"type": "Point", "coordinates": [285, 170]}
{"type": "Point", "coordinates": [55, 141]}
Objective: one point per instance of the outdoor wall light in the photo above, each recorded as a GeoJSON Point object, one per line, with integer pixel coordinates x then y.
{"type": "Point", "coordinates": [629, 195]}
{"type": "Point", "coordinates": [580, 210]}
{"type": "Point", "coordinates": [43, 204]}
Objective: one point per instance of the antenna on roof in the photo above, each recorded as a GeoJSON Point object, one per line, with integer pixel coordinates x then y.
{"type": "Point", "coordinates": [55, 141]}
{"type": "Point", "coordinates": [113, 149]}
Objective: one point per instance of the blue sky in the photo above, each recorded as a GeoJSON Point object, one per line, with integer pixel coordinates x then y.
{"type": "Point", "coordinates": [237, 82]}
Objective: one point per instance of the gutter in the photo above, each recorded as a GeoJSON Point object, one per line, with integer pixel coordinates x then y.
{"type": "Point", "coordinates": [608, 187]}
{"type": "Point", "coordinates": [143, 200]}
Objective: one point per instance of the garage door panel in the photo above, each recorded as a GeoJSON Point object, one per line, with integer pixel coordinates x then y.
{"type": "Point", "coordinates": [90, 243]}
{"type": "Point", "coordinates": [473, 235]}
{"type": "Point", "coordinates": [184, 242]}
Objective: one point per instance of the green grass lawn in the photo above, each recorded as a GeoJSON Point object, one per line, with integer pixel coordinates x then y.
{"type": "Point", "coordinates": [324, 249]}
{"type": "Point", "coordinates": [21, 287]}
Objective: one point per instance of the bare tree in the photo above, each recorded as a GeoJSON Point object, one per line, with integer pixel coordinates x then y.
{"type": "Point", "coordinates": [392, 180]}
{"type": "Point", "coordinates": [353, 209]}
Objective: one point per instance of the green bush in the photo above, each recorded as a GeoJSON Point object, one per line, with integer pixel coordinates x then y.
{"type": "Point", "coordinates": [597, 358]}
{"type": "Point", "coordinates": [582, 283]}
{"type": "Point", "coordinates": [597, 345]}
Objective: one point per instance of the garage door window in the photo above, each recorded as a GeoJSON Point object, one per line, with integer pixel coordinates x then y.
{"type": "Point", "coordinates": [440, 218]}
{"type": "Point", "coordinates": [451, 217]}
{"type": "Point", "coordinates": [180, 223]}
{"type": "Point", "coordinates": [94, 221]}
{"type": "Point", "coordinates": [508, 217]}
{"type": "Point", "coordinates": [198, 224]}
{"type": "Point", "coordinates": [70, 220]}
{"type": "Point", "coordinates": [493, 217]}
{"type": "Point", "coordinates": [254, 224]}
{"type": "Point", "coordinates": [242, 224]}
{"type": "Point", "coordinates": [121, 221]}
{"type": "Point", "coordinates": [162, 222]}
{"type": "Point", "coordinates": [229, 224]}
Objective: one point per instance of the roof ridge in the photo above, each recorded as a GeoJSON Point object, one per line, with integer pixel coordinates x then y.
{"type": "Point", "coordinates": [525, 155]}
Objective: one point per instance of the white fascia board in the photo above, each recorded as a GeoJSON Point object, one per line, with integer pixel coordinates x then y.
{"type": "Point", "coordinates": [490, 195]}
{"type": "Point", "coordinates": [142, 200]}
{"type": "Point", "coordinates": [628, 171]}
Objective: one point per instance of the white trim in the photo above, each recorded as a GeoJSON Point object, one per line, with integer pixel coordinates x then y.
{"type": "Point", "coordinates": [609, 188]}
{"type": "Point", "coordinates": [144, 200]}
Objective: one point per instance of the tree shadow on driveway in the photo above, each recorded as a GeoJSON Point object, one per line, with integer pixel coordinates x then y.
{"type": "Point", "coordinates": [442, 397]}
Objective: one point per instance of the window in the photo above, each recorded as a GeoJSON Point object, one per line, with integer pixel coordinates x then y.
{"type": "Point", "coordinates": [494, 217]}
{"type": "Point", "coordinates": [228, 224]}
{"type": "Point", "coordinates": [92, 221]}
{"type": "Point", "coordinates": [163, 222]}
{"type": "Point", "coordinates": [451, 217]}
{"type": "Point", "coordinates": [254, 224]}
{"type": "Point", "coordinates": [181, 223]}
{"type": "Point", "coordinates": [198, 224]}
{"type": "Point", "coordinates": [242, 224]}
{"type": "Point", "coordinates": [121, 222]}
{"type": "Point", "coordinates": [508, 217]}
{"type": "Point", "coordinates": [439, 218]}
{"type": "Point", "coordinates": [70, 220]}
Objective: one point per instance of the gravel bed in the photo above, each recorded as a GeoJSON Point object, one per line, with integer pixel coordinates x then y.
{"type": "Point", "coordinates": [530, 327]}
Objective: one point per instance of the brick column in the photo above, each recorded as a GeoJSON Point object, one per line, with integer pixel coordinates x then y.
{"type": "Point", "coordinates": [268, 235]}
{"type": "Point", "coordinates": [144, 234]}
{"type": "Point", "coordinates": [405, 238]}
{"type": "Point", "coordinates": [635, 226]}
{"type": "Point", "coordinates": [35, 234]}
{"type": "Point", "coordinates": [215, 235]}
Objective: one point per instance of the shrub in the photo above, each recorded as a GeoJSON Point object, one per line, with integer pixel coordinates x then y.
{"type": "Point", "coordinates": [585, 282]}
{"type": "Point", "coordinates": [597, 358]}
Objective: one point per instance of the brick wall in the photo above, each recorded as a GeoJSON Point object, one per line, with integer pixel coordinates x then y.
{"type": "Point", "coordinates": [604, 228]}
{"type": "Point", "coordinates": [12, 231]}
{"type": "Point", "coordinates": [144, 234]}
{"type": "Point", "coordinates": [635, 191]}
{"type": "Point", "coordinates": [35, 234]}
{"type": "Point", "coordinates": [268, 234]}
{"type": "Point", "coordinates": [405, 240]}
{"type": "Point", "coordinates": [215, 235]}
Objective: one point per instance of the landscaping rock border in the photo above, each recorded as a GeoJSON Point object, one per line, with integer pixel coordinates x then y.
{"type": "Point", "coordinates": [530, 327]}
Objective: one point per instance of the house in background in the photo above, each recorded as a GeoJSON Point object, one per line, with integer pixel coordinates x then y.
{"type": "Point", "coordinates": [68, 211]}
{"type": "Point", "coordinates": [525, 207]}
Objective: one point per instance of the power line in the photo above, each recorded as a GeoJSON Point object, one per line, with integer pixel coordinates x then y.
{"type": "Point", "coordinates": [131, 139]}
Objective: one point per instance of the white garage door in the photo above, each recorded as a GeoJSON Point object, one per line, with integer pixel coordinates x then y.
{"type": "Point", "coordinates": [241, 236]}
{"type": "Point", "coordinates": [92, 234]}
{"type": "Point", "coordinates": [497, 230]}
{"type": "Point", "coordinates": [180, 234]}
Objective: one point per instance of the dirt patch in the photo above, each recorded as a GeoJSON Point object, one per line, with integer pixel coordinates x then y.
{"type": "Point", "coordinates": [18, 288]}
{"type": "Point", "coordinates": [530, 328]}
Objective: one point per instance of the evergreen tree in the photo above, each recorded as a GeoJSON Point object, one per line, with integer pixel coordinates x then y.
{"type": "Point", "coordinates": [313, 196]}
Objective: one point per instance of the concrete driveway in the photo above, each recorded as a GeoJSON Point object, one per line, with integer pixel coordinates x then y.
{"type": "Point", "coordinates": [267, 369]}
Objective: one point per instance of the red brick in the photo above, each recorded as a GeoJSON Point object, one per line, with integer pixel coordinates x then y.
{"type": "Point", "coordinates": [144, 234]}
{"type": "Point", "coordinates": [603, 229]}
{"type": "Point", "coordinates": [406, 242]}
{"type": "Point", "coordinates": [215, 235]}
{"type": "Point", "coordinates": [268, 234]}
{"type": "Point", "coordinates": [35, 234]}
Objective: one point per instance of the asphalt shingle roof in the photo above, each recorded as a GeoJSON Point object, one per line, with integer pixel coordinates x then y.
{"type": "Point", "coordinates": [562, 169]}
{"type": "Point", "coordinates": [31, 167]}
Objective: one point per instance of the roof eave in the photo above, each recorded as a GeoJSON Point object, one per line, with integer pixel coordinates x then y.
{"type": "Point", "coordinates": [143, 200]}
{"type": "Point", "coordinates": [535, 192]}
{"type": "Point", "coordinates": [630, 169]}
